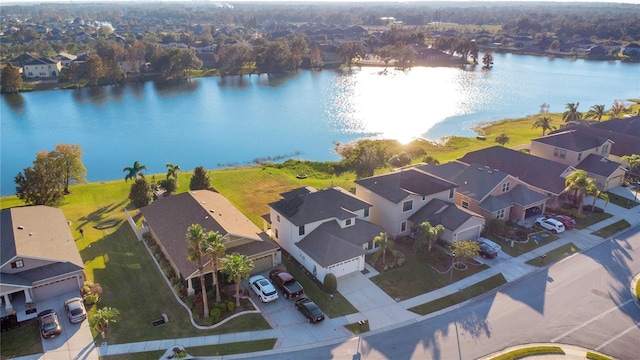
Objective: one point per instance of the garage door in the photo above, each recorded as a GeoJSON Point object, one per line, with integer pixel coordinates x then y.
{"type": "Point", "coordinates": [469, 234]}
{"type": "Point", "coordinates": [262, 264]}
{"type": "Point", "coordinates": [55, 288]}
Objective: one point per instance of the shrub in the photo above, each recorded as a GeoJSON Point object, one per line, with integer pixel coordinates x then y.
{"type": "Point", "coordinates": [95, 288]}
{"type": "Point", "coordinates": [215, 314]}
{"type": "Point", "coordinates": [90, 299]}
{"type": "Point", "coordinates": [330, 283]}
{"type": "Point", "coordinates": [231, 306]}
{"type": "Point", "coordinates": [86, 289]}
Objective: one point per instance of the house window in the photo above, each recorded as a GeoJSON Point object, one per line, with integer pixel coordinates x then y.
{"type": "Point", "coordinates": [556, 152]}
{"type": "Point", "coordinates": [348, 222]}
{"type": "Point", "coordinates": [17, 264]}
{"type": "Point", "coordinates": [278, 217]}
{"type": "Point", "coordinates": [505, 187]}
{"type": "Point", "coordinates": [403, 226]}
{"type": "Point", "coordinates": [563, 153]}
{"type": "Point", "coordinates": [500, 214]}
{"type": "Point", "coordinates": [451, 193]}
{"type": "Point", "coordinates": [424, 197]}
{"type": "Point", "coordinates": [276, 233]}
{"type": "Point", "coordinates": [465, 204]}
{"type": "Point", "coordinates": [366, 212]}
{"type": "Point", "coordinates": [407, 205]}
{"type": "Point", "coordinates": [579, 156]}
{"type": "Point", "coordinates": [605, 148]}
{"type": "Point", "coordinates": [301, 230]}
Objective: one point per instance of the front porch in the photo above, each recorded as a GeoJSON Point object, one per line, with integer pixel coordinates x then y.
{"type": "Point", "coordinates": [16, 303]}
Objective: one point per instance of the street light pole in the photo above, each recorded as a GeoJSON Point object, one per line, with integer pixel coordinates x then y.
{"type": "Point", "coordinates": [453, 256]}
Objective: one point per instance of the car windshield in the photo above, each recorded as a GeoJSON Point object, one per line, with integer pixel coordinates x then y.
{"type": "Point", "coordinates": [268, 293]}
{"type": "Point", "coordinates": [49, 326]}
{"type": "Point", "coordinates": [75, 312]}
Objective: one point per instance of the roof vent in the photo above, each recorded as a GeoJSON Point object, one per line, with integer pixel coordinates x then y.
{"type": "Point", "coordinates": [202, 201]}
{"type": "Point", "coordinates": [489, 172]}
{"type": "Point", "coordinates": [211, 210]}
{"type": "Point", "coordinates": [480, 168]}
{"type": "Point", "coordinates": [20, 227]}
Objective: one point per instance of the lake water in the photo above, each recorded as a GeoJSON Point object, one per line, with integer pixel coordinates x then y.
{"type": "Point", "coordinates": [217, 122]}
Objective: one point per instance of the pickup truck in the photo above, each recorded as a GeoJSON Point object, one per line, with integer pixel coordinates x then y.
{"type": "Point", "coordinates": [286, 283]}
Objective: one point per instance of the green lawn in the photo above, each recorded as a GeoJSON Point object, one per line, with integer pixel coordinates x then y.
{"type": "Point", "coordinates": [241, 347]}
{"type": "Point", "coordinates": [621, 201]}
{"type": "Point", "coordinates": [404, 282]}
{"type": "Point", "coordinates": [612, 229]}
{"type": "Point", "coordinates": [21, 341]}
{"type": "Point", "coordinates": [456, 298]}
{"type": "Point", "coordinates": [591, 219]}
{"type": "Point", "coordinates": [519, 248]}
{"type": "Point", "coordinates": [554, 255]}
{"type": "Point", "coordinates": [529, 352]}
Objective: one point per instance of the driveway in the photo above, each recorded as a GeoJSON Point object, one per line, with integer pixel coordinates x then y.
{"type": "Point", "coordinates": [75, 342]}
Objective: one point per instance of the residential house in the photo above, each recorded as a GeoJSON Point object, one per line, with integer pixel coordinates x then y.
{"type": "Point", "coordinates": [544, 176]}
{"type": "Point", "coordinates": [65, 59]}
{"type": "Point", "coordinates": [631, 49]}
{"type": "Point", "coordinates": [582, 151]}
{"type": "Point", "coordinates": [326, 231]}
{"type": "Point", "coordinates": [42, 68]}
{"type": "Point", "coordinates": [489, 192]}
{"type": "Point", "coordinates": [40, 259]}
{"type": "Point", "coordinates": [404, 199]}
{"type": "Point", "coordinates": [168, 219]}
{"type": "Point", "coordinates": [430, 55]}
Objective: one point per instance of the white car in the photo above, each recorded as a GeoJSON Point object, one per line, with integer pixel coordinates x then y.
{"type": "Point", "coordinates": [552, 225]}
{"type": "Point", "coordinates": [263, 288]}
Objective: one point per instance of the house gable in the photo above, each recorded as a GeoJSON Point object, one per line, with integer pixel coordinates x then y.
{"type": "Point", "coordinates": [570, 146]}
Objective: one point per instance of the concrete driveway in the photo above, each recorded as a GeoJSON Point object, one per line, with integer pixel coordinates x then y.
{"type": "Point", "coordinates": [75, 342]}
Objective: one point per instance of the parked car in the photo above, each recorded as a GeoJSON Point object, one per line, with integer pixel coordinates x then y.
{"type": "Point", "coordinates": [49, 324]}
{"type": "Point", "coordinates": [75, 310]}
{"type": "Point", "coordinates": [263, 288]}
{"type": "Point", "coordinates": [286, 283]}
{"type": "Point", "coordinates": [310, 310]}
{"type": "Point", "coordinates": [487, 251]}
{"type": "Point", "coordinates": [491, 244]}
{"type": "Point", "coordinates": [567, 221]}
{"type": "Point", "coordinates": [552, 225]}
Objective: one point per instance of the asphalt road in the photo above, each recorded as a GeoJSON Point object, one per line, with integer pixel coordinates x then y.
{"type": "Point", "coordinates": [583, 300]}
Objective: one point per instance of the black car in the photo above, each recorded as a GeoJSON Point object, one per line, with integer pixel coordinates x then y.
{"type": "Point", "coordinates": [49, 324]}
{"type": "Point", "coordinates": [310, 310]}
{"type": "Point", "coordinates": [487, 251]}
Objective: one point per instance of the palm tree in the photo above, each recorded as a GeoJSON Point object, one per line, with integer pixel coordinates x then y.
{"type": "Point", "coordinates": [384, 244]}
{"type": "Point", "coordinates": [172, 171]}
{"type": "Point", "coordinates": [214, 246]}
{"type": "Point", "coordinates": [633, 162]}
{"type": "Point", "coordinates": [134, 171]}
{"type": "Point", "coordinates": [596, 112]}
{"type": "Point", "coordinates": [572, 113]}
{"type": "Point", "coordinates": [544, 123]}
{"type": "Point", "coordinates": [101, 319]}
{"type": "Point", "coordinates": [597, 194]}
{"type": "Point", "coordinates": [617, 109]}
{"type": "Point", "coordinates": [428, 233]}
{"type": "Point", "coordinates": [237, 267]}
{"type": "Point", "coordinates": [195, 238]}
{"type": "Point", "coordinates": [579, 182]}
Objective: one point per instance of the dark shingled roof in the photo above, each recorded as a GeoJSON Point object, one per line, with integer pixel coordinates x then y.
{"type": "Point", "coordinates": [623, 132]}
{"type": "Point", "coordinates": [572, 140]}
{"type": "Point", "coordinates": [474, 180]}
{"type": "Point", "coordinates": [519, 195]}
{"type": "Point", "coordinates": [330, 244]}
{"type": "Point", "coordinates": [599, 165]}
{"type": "Point", "coordinates": [629, 126]}
{"type": "Point", "coordinates": [169, 217]}
{"type": "Point", "coordinates": [397, 185]}
{"type": "Point", "coordinates": [307, 207]}
{"type": "Point", "coordinates": [544, 174]}
{"type": "Point", "coordinates": [441, 212]}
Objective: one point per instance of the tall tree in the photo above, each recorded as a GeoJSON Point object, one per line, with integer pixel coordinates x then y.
{"type": "Point", "coordinates": [384, 244]}
{"type": "Point", "coordinates": [140, 193]}
{"type": "Point", "coordinates": [200, 179]}
{"type": "Point", "coordinates": [172, 171]}
{"type": "Point", "coordinates": [195, 238]}
{"type": "Point", "coordinates": [427, 233]}
{"type": "Point", "coordinates": [94, 69]}
{"type": "Point", "coordinates": [214, 246]}
{"type": "Point", "coordinates": [633, 163]}
{"type": "Point", "coordinates": [579, 182]}
{"type": "Point", "coordinates": [465, 249]}
{"type": "Point", "coordinates": [350, 50]}
{"type": "Point", "coordinates": [502, 139]}
{"type": "Point", "coordinates": [595, 112]}
{"type": "Point", "coordinates": [69, 158]}
{"type": "Point", "coordinates": [487, 60]}
{"type": "Point", "coordinates": [43, 183]}
{"type": "Point", "coordinates": [617, 109]}
{"type": "Point", "coordinates": [594, 191]}
{"type": "Point", "coordinates": [572, 113]}
{"type": "Point", "coordinates": [11, 81]}
{"type": "Point", "coordinates": [237, 267]}
{"type": "Point", "coordinates": [134, 171]}
{"type": "Point", "coordinates": [544, 123]}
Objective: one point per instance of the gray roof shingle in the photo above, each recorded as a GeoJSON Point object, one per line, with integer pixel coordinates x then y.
{"type": "Point", "coordinates": [441, 212]}
{"type": "Point", "coordinates": [572, 140]}
{"type": "Point", "coordinates": [397, 185]}
{"type": "Point", "coordinates": [596, 164]}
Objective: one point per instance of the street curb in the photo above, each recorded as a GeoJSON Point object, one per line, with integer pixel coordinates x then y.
{"type": "Point", "coordinates": [568, 349]}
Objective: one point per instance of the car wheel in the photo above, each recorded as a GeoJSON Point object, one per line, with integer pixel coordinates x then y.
{"type": "Point", "coordinates": [554, 231]}
{"type": "Point", "coordinates": [538, 223]}
{"type": "Point", "coordinates": [309, 319]}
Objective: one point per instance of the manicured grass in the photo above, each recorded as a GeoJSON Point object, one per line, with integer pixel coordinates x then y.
{"type": "Point", "coordinates": [456, 298]}
{"type": "Point", "coordinates": [594, 356]}
{"type": "Point", "coordinates": [403, 283]}
{"type": "Point", "coordinates": [358, 328]}
{"type": "Point", "coordinates": [612, 229]}
{"type": "Point", "coordinates": [529, 352]}
{"type": "Point", "coordinates": [622, 201]}
{"type": "Point", "coordinates": [209, 350]}
{"type": "Point", "coordinates": [554, 255]}
{"type": "Point", "coordinates": [519, 248]}
{"type": "Point", "coordinates": [21, 341]}
{"type": "Point", "coordinates": [591, 219]}
{"type": "Point", "coordinates": [638, 289]}
{"type": "Point", "coordinates": [335, 306]}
